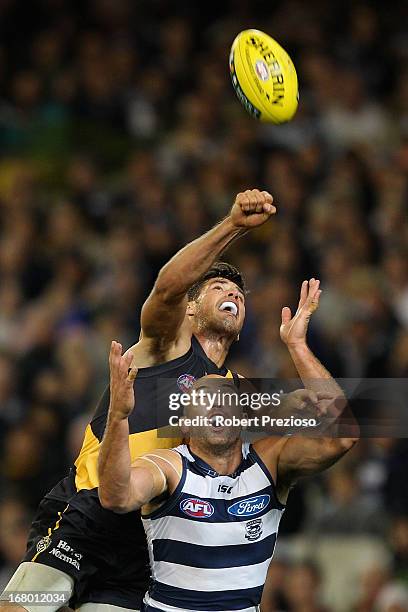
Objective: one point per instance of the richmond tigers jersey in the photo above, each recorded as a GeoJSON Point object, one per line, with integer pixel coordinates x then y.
{"type": "Point", "coordinates": [152, 388]}
{"type": "Point", "coordinates": [211, 542]}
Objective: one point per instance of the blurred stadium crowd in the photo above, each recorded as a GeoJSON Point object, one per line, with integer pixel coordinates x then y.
{"type": "Point", "coordinates": [120, 140]}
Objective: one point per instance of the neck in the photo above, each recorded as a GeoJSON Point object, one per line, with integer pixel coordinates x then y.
{"type": "Point", "coordinates": [215, 346]}
{"type": "Point", "coordinates": [223, 460]}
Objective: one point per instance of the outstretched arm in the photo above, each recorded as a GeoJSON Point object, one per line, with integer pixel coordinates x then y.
{"type": "Point", "coordinates": [164, 310]}
{"type": "Point", "coordinates": [123, 488]}
{"type": "Point", "coordinates": [301, 456]}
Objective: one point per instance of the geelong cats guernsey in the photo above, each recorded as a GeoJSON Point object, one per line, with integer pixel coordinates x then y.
{"type": "Point", "coordinates": [211, 542]}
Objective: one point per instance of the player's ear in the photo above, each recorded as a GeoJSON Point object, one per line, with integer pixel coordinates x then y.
{"type": "Point", "coordinates": [191, 308]}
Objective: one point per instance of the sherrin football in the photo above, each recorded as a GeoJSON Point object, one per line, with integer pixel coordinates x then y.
{"type": "Point", "coordinates": [264, 77]}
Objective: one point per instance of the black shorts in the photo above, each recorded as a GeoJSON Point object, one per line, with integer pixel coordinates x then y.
{"type": "Point", "coordinates": [106, 566]}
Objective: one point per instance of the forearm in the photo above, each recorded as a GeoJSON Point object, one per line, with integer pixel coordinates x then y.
{"type": "Point", "coordinates": [317, 378]}
{"type": "Point", "coordinates": [306, 455]}
{"type": "Point", "coordinates": [114, 465]}
{"type": "Point", "coordinates": [191, 262]}
{"type": "Point", "coordinates": [312, 372]}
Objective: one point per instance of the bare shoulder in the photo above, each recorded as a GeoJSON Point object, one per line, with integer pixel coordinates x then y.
{"type": "Point", "coordinates": [169, 463]}
{"type": "Point", "coordinates": [148, 352]}
{"type": "Point", "coordinates": [270, 445]}
{"type": "Point", "coordinates": [167, 454]}
{"type": "Point", "coordinates": [167, 459]}
{"type": "Point", "coordinates": [269, 450]}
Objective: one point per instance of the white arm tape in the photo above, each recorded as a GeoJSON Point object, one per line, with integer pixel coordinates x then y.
{"type": "Point", "coordinates": [166, 460]}
{"type": "Point", "coordinates": [164, 479]}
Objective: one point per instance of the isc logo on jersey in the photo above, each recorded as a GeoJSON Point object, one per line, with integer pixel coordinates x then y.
{"type": "Point", "coordinates": [250, 506]}
{"type": "Point", "coordinates": [197, 508]}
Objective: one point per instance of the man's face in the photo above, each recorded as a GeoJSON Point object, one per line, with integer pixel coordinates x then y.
{"type": "Point", "coordinates": [219, 308]}
{"type": "Point", "coordinates": [215, 396]}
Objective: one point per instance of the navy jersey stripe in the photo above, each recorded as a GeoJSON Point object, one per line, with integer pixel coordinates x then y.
{"type": "Point", "coordinates": [214, 557]}
{"type": "Point", "coordinates": [213, 601]}
{"type": "Point", "coordinates": [221, 514]}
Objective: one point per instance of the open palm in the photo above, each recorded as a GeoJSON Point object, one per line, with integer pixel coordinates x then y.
{"type": "Point", "coordinates": [293, 329]}
{"type": "Point", "coordinates": [122, 376]}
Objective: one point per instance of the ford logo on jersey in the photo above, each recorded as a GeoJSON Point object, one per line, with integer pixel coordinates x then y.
{"type": "Point", "coordinates": [198, 508]}
{"type": "Point", "coordinates": [250, 506]}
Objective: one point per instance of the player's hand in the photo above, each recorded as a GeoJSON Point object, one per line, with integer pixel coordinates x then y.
{"type": "Point", "coordinates": [293, 329]}
{"type": "Point", "coordinates": [303, 400]}
{"type": "Point", "coordinates": [122, 396]}
{"type": "Point", "coordinates": [252, 208]}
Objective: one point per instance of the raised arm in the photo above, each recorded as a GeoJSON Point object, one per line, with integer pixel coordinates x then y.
{"type": "Point", "coordinates": [290, 458]}
{"type": "Point", "coordinates": [164, 310]}
{"type": "Point", "coordinates": [301, 456]}
{"type": "Point", "coordinates": [122, 486]}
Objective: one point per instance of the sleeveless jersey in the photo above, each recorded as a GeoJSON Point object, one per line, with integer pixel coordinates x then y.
{"type": "Point", "coordinates": [211, 542]}
{"type": "Point", "coordinates": [152, 387]}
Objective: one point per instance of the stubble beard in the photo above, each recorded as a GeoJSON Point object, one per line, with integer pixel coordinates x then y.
{"type": "Point", "coordinates": [220, 448]}
{"type": "Point", "coordinates": [209, 327]}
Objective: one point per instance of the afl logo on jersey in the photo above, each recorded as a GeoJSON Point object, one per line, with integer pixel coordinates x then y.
{"type": "Point", "coordinates": [197, 508]}
{"type": "Point", "coordinates": [250, 506]}
{"type": "Point", "coordinates": [185, 382]}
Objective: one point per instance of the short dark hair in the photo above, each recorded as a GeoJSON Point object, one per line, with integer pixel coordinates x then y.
{"type": "Point", "coordinates": [220, 269]}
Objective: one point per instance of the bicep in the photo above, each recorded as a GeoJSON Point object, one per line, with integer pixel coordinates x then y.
{"type": "Point", "coordinates": [161, 317]}
{"type": "Point", "coordinates": [308, 456]}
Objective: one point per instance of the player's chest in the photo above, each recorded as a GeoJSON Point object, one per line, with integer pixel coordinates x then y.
{"type": "Point", "coordinates": [223, 498]}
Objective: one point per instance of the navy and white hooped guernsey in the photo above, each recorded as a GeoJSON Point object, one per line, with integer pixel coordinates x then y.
{"type": "Point", "coordinates": [211, 542]}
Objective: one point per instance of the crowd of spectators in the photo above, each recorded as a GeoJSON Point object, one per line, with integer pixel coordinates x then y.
{"type": "Point", "coordinates": [121, 139]}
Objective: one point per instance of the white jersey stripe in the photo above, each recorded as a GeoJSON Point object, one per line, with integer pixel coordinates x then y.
{"type": "Point", "coordinates": [228, 579]}
{"type": "Point", "coordinates": [199, 486]}
{"type": "Point", "coordinates": [208, 534]}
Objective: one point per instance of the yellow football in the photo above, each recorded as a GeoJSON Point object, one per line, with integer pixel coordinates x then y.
{"type": "Point", "coordinates": [264, 77]}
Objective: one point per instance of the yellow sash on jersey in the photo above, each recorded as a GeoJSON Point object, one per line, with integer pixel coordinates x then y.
{"type": "Point", "coordinates": [139, 444]}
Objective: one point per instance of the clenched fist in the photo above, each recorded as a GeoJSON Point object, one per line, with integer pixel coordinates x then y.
{"type": "Point", "coordinates": [252, 208]}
